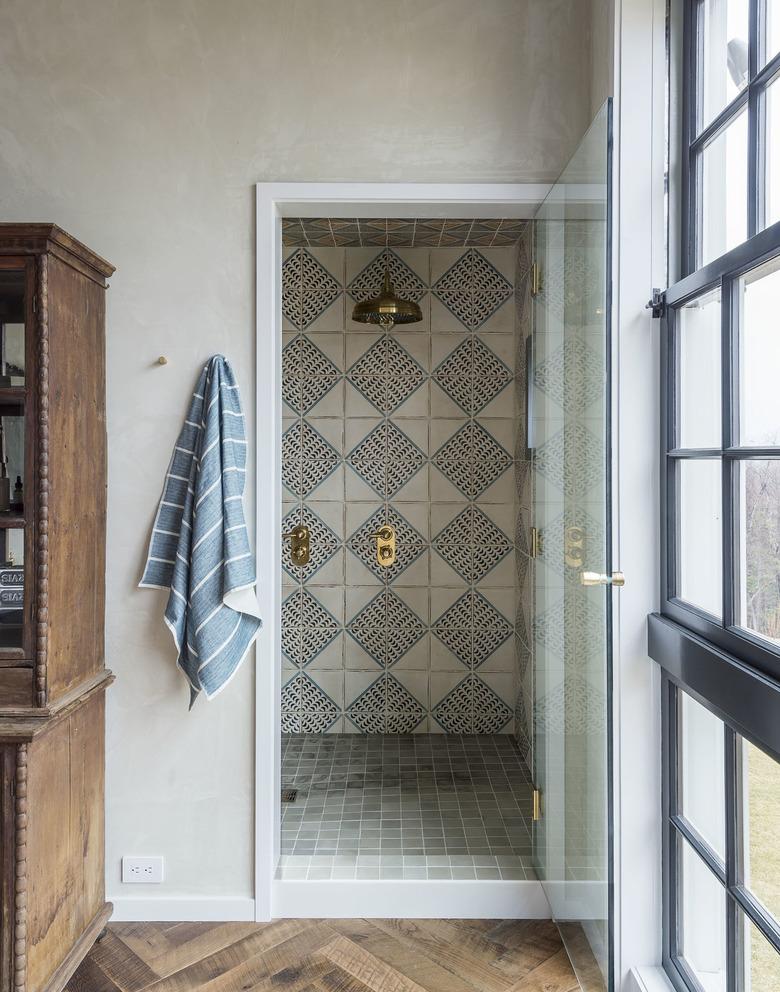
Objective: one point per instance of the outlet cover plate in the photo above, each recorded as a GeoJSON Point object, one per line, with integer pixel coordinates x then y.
{"type": "Point", "coordinates": [147, 870]}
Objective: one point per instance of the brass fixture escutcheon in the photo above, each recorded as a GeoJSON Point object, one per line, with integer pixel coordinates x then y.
{"type": "Point", "coordinates": [385, 546]}
{"type": "Point", "coordinates": [574, 547]}
{"type": "Point", "coordinates": [300, 544]}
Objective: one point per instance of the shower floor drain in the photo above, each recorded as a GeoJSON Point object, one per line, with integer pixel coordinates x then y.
{"type": "Point", "coordinates": [289, 795]}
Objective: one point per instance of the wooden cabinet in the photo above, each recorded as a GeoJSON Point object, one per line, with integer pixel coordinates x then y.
{"type": "Point", "coordinates": [52, 602]}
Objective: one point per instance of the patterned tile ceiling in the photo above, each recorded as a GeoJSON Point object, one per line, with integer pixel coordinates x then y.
{"type": "Point", "coordinates": [361, 232]}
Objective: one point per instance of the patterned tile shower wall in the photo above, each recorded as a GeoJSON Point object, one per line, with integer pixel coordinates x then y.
{"type": "Point", "coordinates": [416, 428]}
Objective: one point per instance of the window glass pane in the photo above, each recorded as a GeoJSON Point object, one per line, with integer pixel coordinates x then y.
{"type": "Point", "coordinates": [761, 826]}
{"type": "Point", "coordinates": [772, 146]}
{"type": "Point", "coordinates": [761, 963]}
{"type": "Point", "coordinates": [772, 46]}
{"type": "Point", "coordinates": [700, 561]}
{"type": "Point", "coordinates": [701, 775]}
{"type": "Point", "coordinates": [723, 202]}
{"type": "Point", "coordinates": [759, 413]}
{"type": "Point", "coordinates": [699, 387]}
{"type": "Point", "coordinates": [701, 937]}
{"type": "Point", "coordinates": [724, 33]}
{"type": "Point", "coordinates": [759, 547]}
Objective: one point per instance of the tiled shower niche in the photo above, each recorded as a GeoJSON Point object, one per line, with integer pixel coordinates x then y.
{"type": "Point", "coordinates": [422, 428]}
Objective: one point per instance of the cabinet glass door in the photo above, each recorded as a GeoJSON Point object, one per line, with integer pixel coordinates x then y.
{"type": "Point", "coordinates": [15, 473]}
{"type": "Point", "coordinates": [572, 610]}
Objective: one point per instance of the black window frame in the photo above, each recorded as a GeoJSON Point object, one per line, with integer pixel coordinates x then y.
{"type": "Point", "coordinates": [731, 671]}
{"type": "Point", "coordinates": [723, 274]}
{"type": "Point", "coordinates": [748, 708]}
{"type": "Point", "coordinates": [694, 141]}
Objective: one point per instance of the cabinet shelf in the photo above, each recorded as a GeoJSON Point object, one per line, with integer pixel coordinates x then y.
{"type": "Point", "coordinates": [11, 521]}
{"type": "Point", "coordinates": [12, 395]}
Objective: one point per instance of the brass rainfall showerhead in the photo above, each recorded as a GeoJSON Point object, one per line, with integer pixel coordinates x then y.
{"type": "Point", "coordinates": [387, 309]}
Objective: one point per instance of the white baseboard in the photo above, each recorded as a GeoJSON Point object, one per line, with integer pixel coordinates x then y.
{"type": "Point", "coordinates": [484, 899]}
{"type": "Point", "coordinates": [440, 900]}
{"type": "Point", "coordinates": [171, 909]}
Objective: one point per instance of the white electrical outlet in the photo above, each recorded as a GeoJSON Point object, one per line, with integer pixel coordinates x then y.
{"type": "Point", "coordinates": [142, 869]}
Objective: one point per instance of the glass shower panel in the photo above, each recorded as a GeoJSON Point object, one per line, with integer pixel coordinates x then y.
{"type": "Point", "coordinates": [571, 633]}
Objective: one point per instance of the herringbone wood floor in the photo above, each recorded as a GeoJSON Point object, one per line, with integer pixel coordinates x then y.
{"type": "Point", "coordinates": [329, 956]}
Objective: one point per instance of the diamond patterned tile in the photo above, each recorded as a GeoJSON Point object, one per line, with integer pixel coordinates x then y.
{"type": "Point", "coordinates": [386, 375]}
{"type": "Point", "coordinates": [386, 707]}
{"type": "Point", "coordinates": [324, 543]}
{"type": "Point", "coordinates": [410, 544]}
{"type": "Point", "coordinates": [572, 459]}
{"type": "Point", "coordinates": [472, 629]}
{"type": "Point", "coordinates": [307, 459]}
{"type": "Point", "coordinates": [572, 707]}
{"type": "Point", "coordinates": [487, 640]}
{"type": "Point", "coordinates": [472, 289]}
{"type": "Point", "coordinates": [573, 375]}
{"type": "Point", "coordinates": [472, 375]}
{"type": "Point", "coordinates": [386, 459]}
{"type": "Point", "coordinates": [472, 544]}
{"type": "Point", "coordinates": [472, 460]}
{"type": "Point", "coordinates": [368, 281]}
{"type": "Point", "coordinates": [308, 289]}
{"type": "Point", "coordinates": [471, 708]}
{"type": "Point", "coordinates": [386, 628]}
{"type": "Point", "coordinates": [572, 629]}
{"type": "Point", "coordinates": [307, 374]}
{"type": "Point", "coordinates": [491, 629]}
{"type": "Point", "coordinates": [369, 628]}
{"type": "Point", "coordinates": [305, 707]}
{"type": "Point", "coordinates": [491, 713]}
{"type": "Point", "coordinates": [307, 627]}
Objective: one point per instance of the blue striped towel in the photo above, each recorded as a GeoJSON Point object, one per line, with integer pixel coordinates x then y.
{"type": "Point", "coordinates": [199, 547]}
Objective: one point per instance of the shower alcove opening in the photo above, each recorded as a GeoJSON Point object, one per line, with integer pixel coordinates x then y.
{"type": "Point", "coordinates": [405, 691]}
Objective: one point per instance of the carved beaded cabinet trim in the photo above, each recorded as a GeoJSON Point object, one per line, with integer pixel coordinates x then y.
{"type": "Point", "coordinates": [52, 603]}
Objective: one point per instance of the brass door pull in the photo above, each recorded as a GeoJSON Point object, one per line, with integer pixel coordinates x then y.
{"type": "Point", "coordinates": [602, 579]}
{"type": "Point", "coordinates": [385, 546]}
{"type": "Point", "coordinates": [300, 544]}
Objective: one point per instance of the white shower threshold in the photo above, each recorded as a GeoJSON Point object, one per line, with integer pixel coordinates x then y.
{"type": "Point", "coordinates": [445, 899]}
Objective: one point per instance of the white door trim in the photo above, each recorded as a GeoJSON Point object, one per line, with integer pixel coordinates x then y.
{"type": "Point", "coordinates": [350, 199]}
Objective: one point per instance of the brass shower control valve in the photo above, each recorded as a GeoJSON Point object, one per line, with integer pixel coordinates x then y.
{"type": "Point", "coordinates": [385, 546]}
{"type": "Point", "coordinates": [300, 544]}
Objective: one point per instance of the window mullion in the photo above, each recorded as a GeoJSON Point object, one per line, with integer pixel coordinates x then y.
{"type": "Point", "coordinates": [734, 952]}
{"type": "Point", "coordinates": [693, 50]}
{"type": "Point", "coordinates": [669, 805]}
{"type": "Point", "coordinates": [729, 330]}
{"type": "Point", "coordinates": [755, 169]}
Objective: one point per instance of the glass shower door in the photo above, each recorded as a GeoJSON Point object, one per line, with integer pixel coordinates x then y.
{"type": "Point", "coordinates": [570, 441]}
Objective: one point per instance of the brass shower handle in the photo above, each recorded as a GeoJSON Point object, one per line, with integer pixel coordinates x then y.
{"type": "Point", "coordinates": [602, 579]}
{"type": "Point", "coordinates": [385, 546]}
{"type": "Point", "coordinates": [300, 544]}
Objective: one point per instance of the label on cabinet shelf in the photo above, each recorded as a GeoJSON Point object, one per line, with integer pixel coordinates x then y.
{"type": "Point", "coordinates": [11, 591]}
